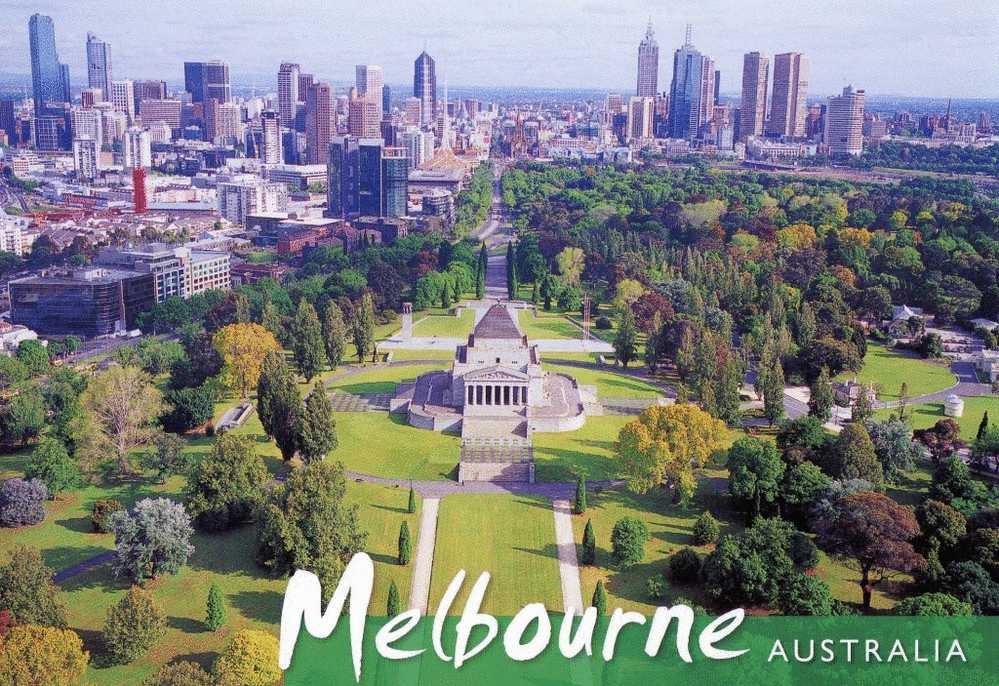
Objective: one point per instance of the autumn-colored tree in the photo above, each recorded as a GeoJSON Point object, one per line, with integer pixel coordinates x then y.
{"type": "Point", "coordinates": [132, 626]}
{"type": "Point", "coordinates": [120, 406]}
{"type": "Point", "coordinates": [42, 656]}
{"type": "Point", "coordinates": [664, 446]}
{"type": "Point", "coordinates": [243, 347]}
{"type": "Point", "coordinates": [872, 533]}
{"type": "Point", "coordinates": [250, 659]}
{"type": "Point", "coordinates": [570, 265]}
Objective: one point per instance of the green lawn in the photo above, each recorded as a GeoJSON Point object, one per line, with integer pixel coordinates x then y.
{"type": "Point", "coordinates": [888, 369]}
{"type": "Point", "coordinates": [385, 445]}
{"type": "Point", "coordinates": [928, 414]}
{"type": "Point", "coordinates": [413, 354]}
{"type": "Point", "coordinates": [609, 384]}
{"type": "Point", "coordinates": [511, 537]}
{"type": "Point", "coordinates": [382, 379]}
{"type": "Point", "coordinates": [588, 452]}
{"type": "Point", "coordinates": [446, 325]}
{"type": "Point", "coordinates": [547, 325]}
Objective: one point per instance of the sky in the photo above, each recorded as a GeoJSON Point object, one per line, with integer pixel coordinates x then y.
{"type": "Point", "coordinates": [946, 48]}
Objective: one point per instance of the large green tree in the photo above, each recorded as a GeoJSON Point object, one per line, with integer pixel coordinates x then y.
{"type": "Point", "coordinates": [308, 345]}
{"type": "Point", "coordinates": [318, 436]}
{"type": "Point", "coordinates": [755, 473]}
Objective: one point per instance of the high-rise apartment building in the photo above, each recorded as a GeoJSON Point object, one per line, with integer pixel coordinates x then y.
{"type": "Point", "coordinates": [369, 80]}
{"type": "Point", "coordinates": [354, 177]}
{"type": "Point", "coordinates": [248, 195]}
{"type": "Point", "coordinates": [123, 97]}
{"type": "Point", "coordinates": [49, 78]}
{"type": "Point", "coordinates": [413, 111]}
{"type": "Point", "coordinates": [844, 123]}
{"type": "Point", "coordinates": [166, 111]}
{"type": "Point", "coordinates": [395, 182]}
{"type": "Point", "coordinates": [691, 91]}
{"type": "Point", "coordinates": [270, 148]}
{"type": "Point", "coordinates": [288, 95]}
{"type": "Point", "coordinates": [87, 123]}
{"type": "Point", "coordinates": [320, 122]}
{"type": "Point", "coordinates": [640, 113]}
{"type": "Point", "coordinates": [648, 65]}
{"type": "Point", "coordinates": [222, 121]}
{"type": "Point", "coordinates": [753, 109]}
{"type": "Point", "coordinates": [365, 118]}
{"type": "Point", "coordinates": [99, 64]}
{"type": "Point", "coordinates": [789, 105]}
{"type": "Point", "coordinates": [207, 80]}
{"type": "Point", "coordinates": [425, 87]}
{"type": "Point", "coordinates": [136, 149]}
{"type": "Point", "coordinates": [85, 157]}
{"type": "Point", "coordinates": [148, 90]}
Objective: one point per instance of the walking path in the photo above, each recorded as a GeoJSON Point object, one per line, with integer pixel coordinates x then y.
{"type": "Point", "coordinates": [419, 595]}
{"type": "Point", "coordinates": [568, 565]}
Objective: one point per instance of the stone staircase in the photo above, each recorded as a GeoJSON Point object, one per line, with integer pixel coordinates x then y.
{"type": "Point", "coordinates": [496, 450]}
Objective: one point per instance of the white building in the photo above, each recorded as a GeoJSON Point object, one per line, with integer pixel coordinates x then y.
{"type": "Point", "coordinates": [85, 158]}
{"type": "Point", "coordinates": [137, 149]}
{"type": "Point", "coordinates": [10, 233]}
{"type": "Point", "coordinates": [250, 195]}
{"type": "Point", "coordinates": [123, 97]}
{"type": "Point", "coordinates": [844, 132]}
{"type": "Point", "coordinates": [87, 122]}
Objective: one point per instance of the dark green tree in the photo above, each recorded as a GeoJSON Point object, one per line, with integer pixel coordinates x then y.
{"type": "Point", "coordinates": [364, 327]}
{"type": "Point", "coordinates": [393, 605]}
{"type": "Point", "coordinates": [318, 435]}
{"type": "Point", "coordinates": [599, 598]}
{"type": "Point", "coordinates": [411, 505]}
{"type": "Point", "coordinates": [405, 545]}
{"type": "Point", "coordinates": [626, 339]}
{"type": "Point", "coordinates": [820, 401]}
{"type": "Point", "coordinates": [589, 555]}
{"type": "Point", "coordinates": [755, 473]}
{"type": "Point", "coordinates": [579, 502]}
{"type": "Point", "coordinates": [334, 334]}
{"type": "Point", "coordinates": [215, 609]}
{"type": "Point", "coordinates": [51, 464]}
{"type": "Point", "coordinates": [853, 457]}
{"type": "Point", "coordinates": [307, 341]}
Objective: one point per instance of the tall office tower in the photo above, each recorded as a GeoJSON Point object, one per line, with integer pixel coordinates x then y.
{"type": "Point", "coordinates": [640, 113]}
{"type": "Point", "coordinates": [386, 99]}
{"type": "Point", "coordinates": [123, 97]}
{"type": "Point", "coordinates": [395, 182]}
{"type": "Point", "coordinates": [166, 111]}
{"type": "Point", "coordinates": [67, 95]}
{"type": "Point", "coordinates": [139, 190]}
{"type": "Point", "coordinates": [320, 122]}
{"type": "Point", "coordinates": [717, 87]}
{"type": "Point", "coordinates": [412, 139]}
{"type": "Point", "coordinates": [814, 123]}
{"type": "Point", "coordinates": [789, 105]}
{"type": "Point", "coordinates": [90, 97]}
{"type": "Point", "coordinates": [690, 91]}
{"type": "Point", "coordinates": [984, 122]}
{"type": "Point", "coordinates": [8, 119]}
{"type": "Point", "coordinates": [137, 151]}
{"type": "Point", "coordinates": [648, 65]}
{"type": "Point", "coordinates": [425, 87]}
{"type": "Point", "coordinates": [369, 80]}
{"type": "Point", "coordinates": [753, 108]}
{"type": "Point", "coordinates": [49, 81]}
{"type": "Point", "coordinates": [288, 93]}
{"type": "Point", "coordinates": [98, 64]}
{"type": "Point", "coordinates": [148, 90]}
{"type": "Point", "coordinates": [270, 148]}
{"type": "Point", "coordinates": [413, 111]}
{"type": "Point", "coordinates": [615, 103]}
{"type": "Point", "coordinates": [86, 123]}
{"type": "Point", "coordinates": [304, 81]}
{"type": "Point", "coordinates": [365, 118]}
{"type": "Point", "coordinates": [707, 106]}
{"type": "Point", "coordinates": [207, 80]}
{"type": "Point", "coordinates": [85, 152]}
{"type": "Point", "coordinates": [844, 132]}
{"type": "Point", "coordinates": [354, 177]}
{"type": "Point", "coordinates": [222, 122]}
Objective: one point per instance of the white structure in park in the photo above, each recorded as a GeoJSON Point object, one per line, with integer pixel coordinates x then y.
{"type": "Point", "coordinates": [987, 364]}
{"type": "Point", "coordinates": [953, 406]}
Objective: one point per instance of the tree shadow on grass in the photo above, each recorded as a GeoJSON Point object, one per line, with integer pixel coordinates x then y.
{"type": "Point", "coordinates": [384, 559]}
{"type": "Point", "coordinates": [186, 624]}
{"type": "Point", "coordinates": [62, 557]}
{"type": "Point", "coordinates": [81, 525]}
{"type": "Point", "coordinates": [101, 578]}
{"type": "Point", "coordinates": [263, 606]}
{"type": "Point", "coordinates": [389, 508]}
{"type": "Point", "coordinates": [549, 550]}
{"type": "Point", "coordinates": [205, 659]}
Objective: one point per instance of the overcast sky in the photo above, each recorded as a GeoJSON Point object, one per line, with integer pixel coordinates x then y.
{"type": "Point", "coordinates": [906, 47]}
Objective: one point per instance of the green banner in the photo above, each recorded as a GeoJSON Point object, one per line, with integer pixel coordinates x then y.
{"type": "Point", "coordinates": [813, 651]}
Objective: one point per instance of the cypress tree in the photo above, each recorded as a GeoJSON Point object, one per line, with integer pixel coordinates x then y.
{"type": "Point", "coordinates": [405, 547]}
{"type": "Point", "coordinates": [411, 506]}
{"type": "Point", "coordinates": [318, 436]}
{"type": "Point", "coordinates": [270, 372]}
{"type": "Point", "coordinates": [307, 341]}
{"type": "Point", "coordinates": [589, 544]}
{"type": "Point", "coordinates": [820, 402]}
{"type": "Point", "coordinates": [626, 340]}
{"type": "Point", "coordinates": [983, 426]}
{"type": "Point", "coordinates": [579, 503]}
{"type": "Point", "coordinates": [215, 614]}
{"type": "Point", "coordinates": [364, 327]}
{"type": "Point", "coordinates": [334, 334]}
{"type": "Point", "coordinates": [394, 604]}
{"type": "Point", "coordinates": [600, 598]}
{"type": "Point", "coordinates": [511, 273]}
{"type": "Point", "coordinates": [286, 411]}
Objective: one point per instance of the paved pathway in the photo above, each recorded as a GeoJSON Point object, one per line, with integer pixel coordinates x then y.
{"type": "Point", "coordinates": [568, 566]}
{"type": "Point", "coordinates": [553, 490]}
{"type": "Point", "coordinates": [423, 562]}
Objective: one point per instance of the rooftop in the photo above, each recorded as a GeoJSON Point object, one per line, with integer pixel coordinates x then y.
{"type": "Point", "coordinates": [497, 324]}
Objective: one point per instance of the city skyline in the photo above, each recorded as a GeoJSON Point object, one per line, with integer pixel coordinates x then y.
{"type": "Point", "coordinates": [883, 49]}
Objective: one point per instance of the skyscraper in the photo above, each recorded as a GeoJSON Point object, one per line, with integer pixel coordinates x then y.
{"type": "Point", "coordinates": [99, 64]}
{"type": "Point", "coordinates": [369, 80]}
{"type": "Point", "coordinates": [136, 151]}
{"type": "Point", "coordinates": [288, 94]}
{"type": "Point", "coordinates": [320, 122]}
{"type": "Point", "coordinates": [844, 128]}
{"type": "Point", "coordinates": [640, 111]}
{"type": "Point", "coordinates": [354, 177]}
{"type": "Point", "coordinates": [85, 158]}
{"type": "Point", "coordinates": [364, 118]}
{"type": "Point", "coordinates": [395, 182]}
{"type": "Point", "coordinates": [207, 80]}
{"type": "Point", "coordinates": [789, 105]}
{"type": "Point", "coordinates": [122, 96]}
{"type": "Point", "coordinates": [270, 148]}
{"type": "Point", "coordinates": [425, 86]}
{"type": "Point", "coordinates": [753, 109]}
{"type": "Point", "coordinates": [648, 65]}
{"type": "Point", "coordinates": [49, 80]}
{"type": "Point", "coordinates": [691, 95]}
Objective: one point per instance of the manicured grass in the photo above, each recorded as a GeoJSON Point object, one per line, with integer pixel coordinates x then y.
{"type": "Point", "coordinates": [844, 583]}
{"type": "Point", "coordinates": [588, 452]}
{"type": "Point", "coordinates": [913, 487]}
{"type": "Point", "coordinates": [609, 384]}
{"type": "Point", "coordinates": [547, 325]}
{"type": "Point", "coordinates": [382, 379]}
{"type": "Point", "coordinates": [408, 354]}
{"type": "Point", "coordinates": [385, 445]}
{"type": "Point", "coordinates": [928, 414]}
{"type": "Point", "coordinates": [888, 369]}
{"type": "Point", "coordinates": [446, 325]}
{"type": "Point", "coordinates": [511, 537]}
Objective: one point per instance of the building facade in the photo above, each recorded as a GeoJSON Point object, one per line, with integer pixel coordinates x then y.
{"type": "Point", "coordinates": [99, 64]}
{"type": "Point", "coordinates": [49, 78]}
{"type": "Point", "coordinates": [753, 108]}
{"type": "Point", "coordinates": [789, 105]}
{"type": "Point", "coordinates": [844, 123]}
{"type": "Point", "coordinates": [648, 65]}
{"type": "Point", "coordinates": [288, 95]}
{"type": "Point", "coordinates": [320, 122]}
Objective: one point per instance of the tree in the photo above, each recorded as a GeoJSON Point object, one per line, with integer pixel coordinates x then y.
{"type": "Point", "coordinates": [42, 656]}
{"type": "Point", "coordinates": [190, 407]}
{"type": "Point", "coordinates": [318, 435]}
{"type": "Point", "coordinates": [626, 338]}
{"type": "Point", "coordinates": [894, 447]}
{"type": "Point", "coordinates": [154, 539]}
{"type": "Point", "coordinates": [286, 410]}
{"type": "Point", "coordinates": [27, 590]}
{"type": "Point", "coordinates": [250, 659]}
{"type": "Point", "coordinates": [570, 262]}
{"type": "Point", "coordinates": [664, 445]}
{"type": "Point", "coordinates": [180, 674]}
{"type": "Point", "coordinates": [803, 484]}
{"type": "Point", "coordinates": [930, 345]}
{"type": "Point", "coordinates": [307, 340]}
{"type": "Point", "coordinates": [33, 355]}
{"type": "Point", "coordinates": [941, 439]}
{"type": "Point", "coordinates": [307, 524]}
{"type": "Point", "coordinates": [12, 372]}
{"type": "Point", "coordinates": [684, 566]}
{"type": "Point", "coordinates": [215, 608]}
{"type": "Point", "coordinates": [872, 533]}
{"type": "Point", "coordinates": [511, 272]}
{"type": "Point", "coordinates": [364, 327]}
{"type": "Point", "coordinates": [243, 347]}
{"type": "Point", "coordinates": [405, 546]}
{"type": "Point", "coordinates": [820, 401]}
{"type": "Point", "coordinates": [23, 418]}
{"type": "Point", "coordinates": [770, 384]}
{"type": "Point", "coordinates": [589, 555]}
{"type": "Point", "coordinates": [706, 529]}
{"type": "Point", "coordinates": [133, 625]}
{"type": "Point", "coordinates": [628, 539]}
{"type": "Point", "coordinates": [225, 489]}
{"type": "Point", "coordinates": [51, 464]}
{"type": "Point", "coordinates": [22, 502]}
{"type": "Point", "coordinates": [334, 334]}
{"type": "Point", "coordinates": [970, 582]}
{"type": "Point", "coordinates": [120, 405]}
{"type": "Point", "coordinates": [805, 595]}
{"type": "Point", "coordinates": [755, 473]}
{"type": "Point", "coordinates": [411, 504]}
{"type": "Point", "coordinates": [934, 605]}
{"type": "Point", "coordinates": [579, 501]}
{"type": "Point", "coordinates": [853, 457]}
{"type": "Point", "coordinates": [599, 600]}
{"type": "Point", "coordinates": [393, 604]}
{"type": "Point", "coordinates": [803, 440]}
{"type": "Point", "coordinates": [983, 426]}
